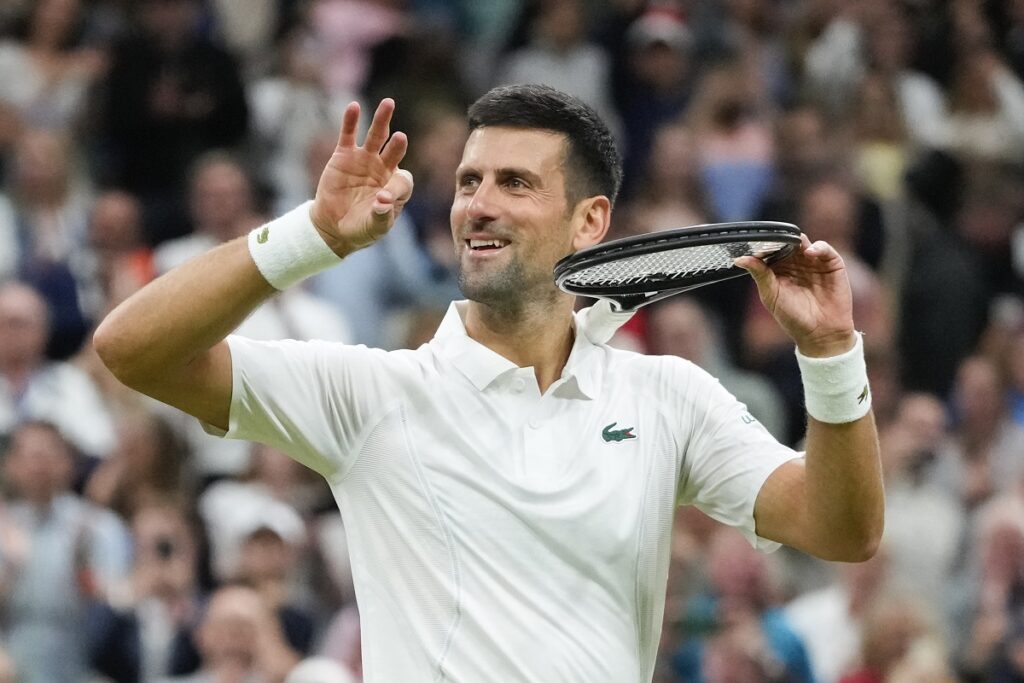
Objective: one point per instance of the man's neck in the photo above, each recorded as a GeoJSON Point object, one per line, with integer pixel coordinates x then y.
{"type": "Point", "coordinates": [537, 336]}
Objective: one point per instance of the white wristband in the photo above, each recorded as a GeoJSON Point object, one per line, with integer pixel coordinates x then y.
{"type": "Point", "coordinates": [836, 389]}
{"type": "Point", "coordinates": [289, 249]}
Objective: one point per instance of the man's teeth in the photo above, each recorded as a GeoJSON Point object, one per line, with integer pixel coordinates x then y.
{"type": "Point", "coordinates": [483, 244]}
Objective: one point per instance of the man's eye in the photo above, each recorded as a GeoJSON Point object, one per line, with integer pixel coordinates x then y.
{"type": "Point", "coordinates": [515, 183]}
{"type": "Point", "coordinates": [468, 181]}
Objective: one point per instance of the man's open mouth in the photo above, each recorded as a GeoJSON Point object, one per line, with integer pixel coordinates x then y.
{"type": "Point", "coordinates": [486, 245]}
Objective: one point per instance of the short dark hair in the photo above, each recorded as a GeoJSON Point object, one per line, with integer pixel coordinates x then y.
{"type": "Point", "coordinates": [593, 165]}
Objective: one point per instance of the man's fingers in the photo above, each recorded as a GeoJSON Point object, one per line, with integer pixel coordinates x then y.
{"type": "Point", "coordinates": [394, 151]}
{"type": "Point", "coordinates": [823, 251]}
{"type": "Point", "coordinates": [349, 124]}
{"type": "Point", "coordinates": [394, 195]}
{"type": "Point", "coordinates": [380, 127]}
{"type": "Point", "coordinates": [763, 276]}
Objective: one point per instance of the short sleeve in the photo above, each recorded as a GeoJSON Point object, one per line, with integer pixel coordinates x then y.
{"type": "Point", "coordinates": [308, 399]}
{"type": "Point", "coordinates": [728, 456]}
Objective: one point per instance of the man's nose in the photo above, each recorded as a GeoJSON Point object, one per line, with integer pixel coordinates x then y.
{"type": "Point", "coordinates": [483, 205]}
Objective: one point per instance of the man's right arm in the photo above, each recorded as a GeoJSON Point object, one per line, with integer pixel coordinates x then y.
{"type": "Point", "coordinates": [167, 340]}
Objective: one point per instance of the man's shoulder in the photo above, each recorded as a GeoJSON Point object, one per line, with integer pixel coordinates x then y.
{"type": "Point", "coordinates": [324, 354]}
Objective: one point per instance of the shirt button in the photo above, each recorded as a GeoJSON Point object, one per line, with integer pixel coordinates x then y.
{"type": "Point", "coordinates": [535, 423]}
{"type": "Point", "coordinates": [518, 385]}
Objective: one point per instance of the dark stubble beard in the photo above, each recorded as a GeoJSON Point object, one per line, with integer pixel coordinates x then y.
{"type": "Point", "coordinates": [506, 290]}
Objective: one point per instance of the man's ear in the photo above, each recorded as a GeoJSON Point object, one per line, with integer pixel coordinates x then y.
{"type": "Point", "coordinates": [591, 219]}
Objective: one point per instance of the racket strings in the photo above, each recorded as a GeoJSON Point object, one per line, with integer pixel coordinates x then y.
{"type": "Point", "coordinates": [672, 264]}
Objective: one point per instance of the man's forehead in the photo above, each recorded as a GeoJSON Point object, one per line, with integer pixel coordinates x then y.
{"type": "Point", "coordinates": [509, 146]}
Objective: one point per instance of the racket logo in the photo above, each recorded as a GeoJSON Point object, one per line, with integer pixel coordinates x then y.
{"type": "Point", "coordinates": [615, 435]}
{"type": "Point", "coordinates": [263, 236]}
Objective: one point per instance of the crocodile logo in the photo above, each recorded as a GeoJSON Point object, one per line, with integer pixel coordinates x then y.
{"type": "Point", "coordinates": [610, 435]}
{"type": "Point", "coordinates": [863, 395]}
{"type": "Point", "coordinates": [263, 236]}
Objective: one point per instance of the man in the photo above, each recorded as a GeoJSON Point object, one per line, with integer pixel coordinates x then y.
{"type": "Point", "coordinates": [508, 488]}
{"type": "Point", "coordinates": [61, 557]}
{"type": "Point", "coordinates": [34, 388]}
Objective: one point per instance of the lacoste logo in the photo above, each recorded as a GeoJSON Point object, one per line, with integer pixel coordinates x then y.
{"type": "Point", "coordinates": [609, 434]}
{"type": "Point", "coordinates": [863, 395]}
{"type": "Point", "coordinates": [263, 236]}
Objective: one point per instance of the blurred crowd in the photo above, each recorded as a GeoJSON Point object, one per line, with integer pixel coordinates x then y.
{"type": "Point", "coordinates": [135, 134]}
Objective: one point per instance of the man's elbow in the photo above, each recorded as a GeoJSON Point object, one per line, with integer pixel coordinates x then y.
{"type": "Point", "coordinates": [858, 546]}
{"type": "Point", "coordinates": [863, 550]}
{"type": "Point", "coordinates": [115, 351]}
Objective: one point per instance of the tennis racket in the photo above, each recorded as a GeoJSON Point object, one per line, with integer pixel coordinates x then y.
{"type": "Point", "coordinates": [636, 271]}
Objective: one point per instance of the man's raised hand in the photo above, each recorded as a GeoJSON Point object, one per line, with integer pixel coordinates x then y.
{"type": "Point", "coordinates": [362, 190]}
{"type": "Point", "coordinates": [809, 296]}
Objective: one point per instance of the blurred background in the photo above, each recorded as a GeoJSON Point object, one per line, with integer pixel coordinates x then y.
{"type": "Point", "coordinates": [135, 134]}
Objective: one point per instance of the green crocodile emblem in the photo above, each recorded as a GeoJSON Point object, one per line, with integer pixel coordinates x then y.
{"type": "Point", "coordinates": [263, 236]}
{"type": "Point", "coordinates": [863, 395]}
{"type": "Point", "coordinates": [609, 434]}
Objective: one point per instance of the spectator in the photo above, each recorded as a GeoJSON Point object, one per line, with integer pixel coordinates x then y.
{"type": "Point", "coordinates": [222, 207]}
{"type": "Point", "coordinates": [659, 85]}
{"type": "Point", "coordinates": [32, 388]}
{"type": "Point", "coordinates": [986, 119]}
{"type": "Point", "coordinates": [46, 73]}
{"type": "Point", "coordinates": [895, 633]}
{"type": "Point", "coordinates": [945, 296]}
{"type": "Point", "coordinates": [671, 194]}
{"type": "Point", "coordinates": [982, 456]}
{"type": "Point", "coordinates": [146, 634]}
{"type": "Point", "coordinates": [921, 105]}
{"type": "Point", "coordinates": [149, 464]}
{"type": "Point", "coordinates": [990, 612]}
{"type": "Point", "coordinates": [290, 109]}
{"type": "Point", "coordinates": [881, 142]}
{"type": "Point", "coordinates": [829, 620]}
{"type": "Point", "coordinates": [118, 262]}
{"type": "Point", "coordinates": [73, 556]}
{"type": "Point", "coordinates": [560, 54]}
{"type": "Point", "coordinates": [171, 95]}
{"type": "Point", "coordinates": [742, 593]}
{"type": "Point", "coordinates": [346, 31]}
{"type": "Point", "coordinates": [734, 142]}
{"type": "Point", "coordinates": [239, 640]}
{"type": "Point", "coordinates": [248, 29]}
{"type": "Point", "coordinates": [925, 524]}
{"type": "Point", "coordinates": [47, 224]}
{"type": "Point", "coordinates": [753, 34]}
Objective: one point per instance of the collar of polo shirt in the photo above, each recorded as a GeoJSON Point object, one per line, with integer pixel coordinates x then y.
{"type": "Point", "coordinates": [482, 366]}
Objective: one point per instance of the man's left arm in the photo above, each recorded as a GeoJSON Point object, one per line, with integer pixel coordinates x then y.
{"type": "Point", "coordinates": [832, 504]}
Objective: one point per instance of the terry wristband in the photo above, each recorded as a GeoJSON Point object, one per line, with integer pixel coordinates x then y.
{"type": "Point", "coordinates": [289, 249]}
{"type": "Point", "coordinates": [836, 388]}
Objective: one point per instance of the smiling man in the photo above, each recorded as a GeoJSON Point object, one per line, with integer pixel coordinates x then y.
{"type": "Point", "coordinates": [508, 488]}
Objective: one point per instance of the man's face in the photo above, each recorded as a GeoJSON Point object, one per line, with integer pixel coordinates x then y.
{"type": "Point", "coordinates": [23, 326]}
{"type": "Point", "coordinates": [39, 464]}
{"type": "Point", "coordinates": [221, 198]}
{"type": "Point", "coordinates": [510, 218]}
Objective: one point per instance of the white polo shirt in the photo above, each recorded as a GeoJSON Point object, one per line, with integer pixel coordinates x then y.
{"type": "Point", "coordinates": [497, 534]}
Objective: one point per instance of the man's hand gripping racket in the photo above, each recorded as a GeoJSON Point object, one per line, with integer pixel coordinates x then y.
{"type": "Point", "coordinates": [629, 273]}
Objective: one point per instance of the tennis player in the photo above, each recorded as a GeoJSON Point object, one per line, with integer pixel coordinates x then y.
{"type": "Point", "coordinates": [508, 488]}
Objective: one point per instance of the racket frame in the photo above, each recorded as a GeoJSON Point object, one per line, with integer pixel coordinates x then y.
{"type": "Point", "coordinates": [635, 295]}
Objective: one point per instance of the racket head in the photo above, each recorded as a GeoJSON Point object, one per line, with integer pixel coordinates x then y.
{"type": "Point", "coordinates": [637, 270]}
